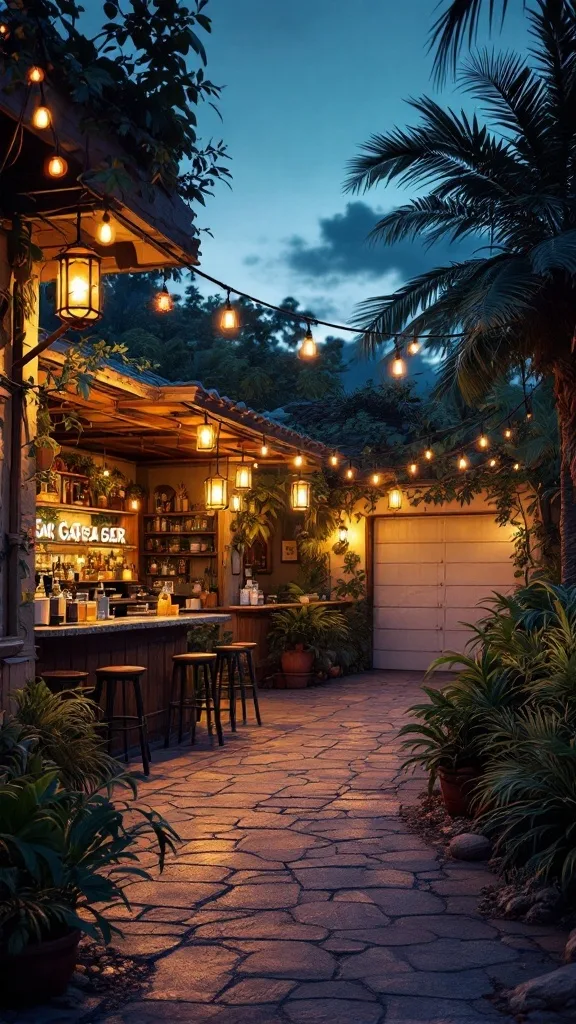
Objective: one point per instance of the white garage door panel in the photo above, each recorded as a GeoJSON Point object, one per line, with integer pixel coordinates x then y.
{"type": "Point", "coordinates": [409, 618]}
{"type": "Point", "coordinates": [404, 660]}
{"type": "Point", "coordinates": [429, 577]}
{"type": "Point", "coordinates": [409, 553]}
{"type": "Point", "coordinates": [477, 552]}
{"type": "Point", "coordinates": [398, 530]}
{"type": "Point", "coordinates": [487, 576]}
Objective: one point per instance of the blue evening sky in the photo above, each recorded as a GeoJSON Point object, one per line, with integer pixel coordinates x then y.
{"type": "Point", "coordinates": [306, 82]}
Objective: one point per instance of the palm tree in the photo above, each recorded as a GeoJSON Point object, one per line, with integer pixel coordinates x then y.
{"type": "Point", "coordinates": [510, 184]}
{"type": "Point", "coordinates": [460, 18]}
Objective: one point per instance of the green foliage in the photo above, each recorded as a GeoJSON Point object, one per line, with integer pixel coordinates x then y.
{"type": "Point", "coordinates": [313, 626]}
{"type": "Point", "coordinates": [355, 585]}
{"type": "Point", "coordinates": [263, 503]}
{"type": "Point", "coordinates": [206, 636]}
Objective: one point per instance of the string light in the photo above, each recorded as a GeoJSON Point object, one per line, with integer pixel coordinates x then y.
{"type": "Point", "coordinates": [41, 118]}
{"type": "Point", "coordinates": [508, 431]}
{"type": "Point", "coordinates": [229, 320]}
{"type": "Point", "coordinates": [333, 460]}
{"type": "Point", "coordinates": [375, 478]}
{"type": "Point", "coordinates": [35, 75]}
{"type": "Point", "coordinates": [516, 466]}
{"type": "Point", "coordinates": [254, 465]}
{"type": "Point", "coordinates": [298, 460]}
{"type": "Point", "coordinates": [4, 31]}
{"type": "Point", "coordinates": [308, 349]}
{"type": "Point", "coordinates": [264, 448]}
{"type": "Point", "coordinates": [413, 468]}
{"type": "Point", "coordinates": [483, 440]}
{"type": "Point", "coordinates": [163, 301]}
{"type": "Point", "coordinates": [462, 462]}
{"type": "Point", "coordinates": [414, 347]}
{"type": "Point", "coordinates": [105, 232]}
{"type": "Point", "coordinates": [349, 473]}
{"type": "Point", "coordinates": [492, 463]}
{"type": "Point", "coordinates": [528, 408]}
{"type": "Point", "coordinates": [398, 366]}
{"type": "Point", "coordinates": [428, 454]}
{"type": "Point", "coordinates": [56, 166]}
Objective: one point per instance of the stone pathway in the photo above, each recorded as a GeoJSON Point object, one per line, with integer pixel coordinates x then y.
{"type": "Point", "coordinates": [298, 896]}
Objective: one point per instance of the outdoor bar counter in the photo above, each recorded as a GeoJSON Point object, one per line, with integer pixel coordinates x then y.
{"type": "Point", "coordinates": [140, 640]}
{"type": "Point", "coordinates": [251, 622]}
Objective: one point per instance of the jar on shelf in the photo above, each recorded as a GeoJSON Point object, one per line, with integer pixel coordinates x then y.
{"type": "Point", "coordinates": [163, 525]}
{"type": "Point", "coordinates": [153, 567]}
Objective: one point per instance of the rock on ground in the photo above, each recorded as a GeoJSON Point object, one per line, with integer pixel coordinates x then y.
{"type": "Point", "coordinates": [551, 991]}
{"type": "Point", "coordinates": [470, 846]}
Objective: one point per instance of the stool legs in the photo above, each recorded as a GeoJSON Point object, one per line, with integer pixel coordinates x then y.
{"type": "Point", "coordinates": [203, 696]}
{"type": "Point", "coordinates": [142, 730]}
{"type": "Point", "coordinates": [211, 691]}
{"type": "Point", "coordinates": [107, 685]}
{"type": "Point", "coordinates": [254, 685]}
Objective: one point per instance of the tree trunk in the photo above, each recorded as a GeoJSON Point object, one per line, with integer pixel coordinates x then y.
{"type": "Point", "coordinates": [565, 391]}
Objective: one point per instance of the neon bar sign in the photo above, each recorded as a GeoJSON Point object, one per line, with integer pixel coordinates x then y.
{"type": "Point", "coordinates": [77, 533]}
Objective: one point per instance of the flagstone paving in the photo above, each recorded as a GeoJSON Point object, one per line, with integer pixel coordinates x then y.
{"type": "Point", "coordinates": [299, 896]}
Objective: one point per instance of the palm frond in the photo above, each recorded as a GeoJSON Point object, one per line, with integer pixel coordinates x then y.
{"type": "Point", "coordinates": [460, 20]}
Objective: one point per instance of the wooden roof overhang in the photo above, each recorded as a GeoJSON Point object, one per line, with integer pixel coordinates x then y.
{"type": "Point", "coordinates": [154, 226]}
{"type": "Point", "coordinates": [147, 420]}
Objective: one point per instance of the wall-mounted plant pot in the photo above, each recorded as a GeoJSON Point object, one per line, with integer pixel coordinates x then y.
{"type": "Point", "coordinates": [45, 459]}
{"type": "Point", "coordinates": [41, 971]}
{"type": "Point", "coordinates": [457, 788]}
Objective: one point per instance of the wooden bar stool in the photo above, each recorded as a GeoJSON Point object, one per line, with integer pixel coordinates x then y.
{"type": "Point", "coordinates": [203, 695]}
{"type": "Point", "coordinates": [108, 679]}
{"type": "Point", "coordinates": [246, 648]}
{"type": "Point", "coordinates": [58, 680]}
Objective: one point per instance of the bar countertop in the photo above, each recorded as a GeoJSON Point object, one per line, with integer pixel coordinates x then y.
{"type": "Point", "coordinates": [131, 623]}
{"type": "Point", "coordinates": [263, 608]}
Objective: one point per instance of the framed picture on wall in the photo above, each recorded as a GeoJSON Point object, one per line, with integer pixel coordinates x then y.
{"type": "Point", "coordinates": [290, 551]}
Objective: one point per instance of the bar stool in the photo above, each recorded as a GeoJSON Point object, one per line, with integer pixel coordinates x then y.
{"type": "Point", "coordinates": [201, 663]}
{"type": "Point", "coordinates": [108, 679]}
{"type": "Point", "coordinates": [247, 647]}
{"type": "Point", "coordinates": [230, 656]}
{"type": "Point", "coordinates": [58, 680]}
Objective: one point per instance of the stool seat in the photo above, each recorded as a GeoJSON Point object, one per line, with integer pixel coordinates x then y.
{"type": "Point", "coordinates": [65, 675]}
{"type": "Point", "coordinates": [245, 645]}
{"type": "Point", "coordinates": [233, 648]}
{"type": "Point", "coordinates": [194, 657]}
{"type": "Point", "coordinates": [118, 671]}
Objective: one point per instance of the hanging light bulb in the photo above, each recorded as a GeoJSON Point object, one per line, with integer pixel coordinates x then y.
{"type": "Point", "coordinates": [414, 347]}
{"type": "Point", "coordinates": [4, 31]}
{"type": "Point", "coordinates": [413, 468]}
{"type": "Point", "coordinates": [508, 432]}
{"type": "Point", "coordinates": [298, 460]}
{"type": "Point", "coordinates": [229, 320]}
{"type": "Point", "coordinates": [398, 366]}
{"type": "Point", "coordinates": [492, 463]}
{"type": "Point", "coordinates": [56, 166]}
{"type": "Point", "coordinates": [428, 454]}
{"type": "Point", "coordinates": [462, 462]}
{"type": "Point", "coordinates": [41, 118]}
{"type": "Point", "coordinates": [483, 441]}
{"type": "Point", "coordinates": [333, 460]}
{"type": "Point", "coordinates": [205, 436]}
{"type": "Point", "coordinates": [163, 301]}
{"type": "Point", "coordinates": [264, 448]}
{"type": "Point", "coordinates": [254, 465]}
{"type": "Point", "coordinates": [35, 75]}
{"type": "Point", "coordinates": [395, 499]}
{"type": "Point", "coordinates": [105, 232]}
{"type": "Point", "coordinates": [516, 466]}
{"type": "Point", "coordinates": [343, 533]}
{"type": "Point", "coordinates": [300, 492]}
{"type": "Point", "coordinates": [236, 501]}
{"type": "Point", "coordinates": [349, 472]}
{"type": "Point", "coordinates": [528, 407]}
{"type": "Point", "coordinates": [375, 479]}
{"type": "Point", "coordinates": [308, 349]}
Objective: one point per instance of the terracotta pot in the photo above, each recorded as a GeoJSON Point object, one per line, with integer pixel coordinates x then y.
{"type": "Point", "coordinates": [102, 501]}
{"type": "Point", "coordinates": [297, 680]}
{"type": "Point", "coordinates": [457, 789]}
{"type": "Point", "coordinates": [45, 459]}
{"type": "Point", "coordinates": [297, 667]}
{"type": "Point", "coordinates": [41, 971]}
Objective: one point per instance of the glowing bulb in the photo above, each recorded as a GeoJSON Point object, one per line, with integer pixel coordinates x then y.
{"type": "Point", "coordinates": [264, 450]}
{"type": "Point", "coordinates": [105, 232]}
{"type": "Point", "coordinates": [508, 433]}
{"type": "Point", "coordinates": [298, 460]}
{"type": "Point", "coordinates": [229, 317]}
{"type": "Point", "coordinates": [79, 289]}
{"type": "Point", "coordinates": [35, 75]}
{"type": "Point", "coordinates": [41, 118]}
{"type": "Point", "coordinates": [413, 468]}
{"type": "Point", "coordinates": [375, 479]}
{"type": "Point", "coordinates": [492, 463]}
{"type": "Point", "coordinates": [516, 466]}
{"type": "Point", "coordinates": [462, 462]}
{"type": "Point", "coordinates": [56, 166]}
{"type": "Point", "coordinates": [205, 438]}
{"type": "Point", "coordinates": [428, 454]}
{"type": "Point", "coordinates": [254, 465]}
{"type": "Point", "coordinates": [483, 441]}
{"type": "Point", "coordinates": [4, 31]}
{"type": "Point", "coordinates": [333, 460]}
{"type": "Point", "coordinates": [235, 501]}
{"type": "Point", "coordinates": [414, 347]}
{"type": "Point", "coordinates": [528, 415]}
{"type": "Point", "coordinates": [163, 301]}
{"type": "Point", "coordinates": [308, 349]}
{"type": "Point", "coordinates": [349, 473]}
{"type": "Point", "coordinates": [106, 472]}
{"type": "Point", "coordinates": [134, 504]}
{"type": "Point", "coordinates": [398, 367]}
{"type": "Point", "coordinates": [343, 534]}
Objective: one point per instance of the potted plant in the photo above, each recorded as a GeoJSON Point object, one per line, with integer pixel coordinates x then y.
{"type": "Point", "coordinates": [101, 484]}
{"type": "Point", "coordinates": [297, 637]}
{"type": "Point", "coordinates": [43, 447]}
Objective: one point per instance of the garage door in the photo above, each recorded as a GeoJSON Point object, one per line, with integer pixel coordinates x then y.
{"type": "Point", "coordinates": [429, 575]}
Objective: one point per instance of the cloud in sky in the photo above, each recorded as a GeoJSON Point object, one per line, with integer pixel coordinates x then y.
{"type": "Point", "coordinates": [342, 250]}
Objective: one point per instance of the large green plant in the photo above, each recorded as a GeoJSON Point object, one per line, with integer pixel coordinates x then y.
{"type": "Point", "coordinates": [311, 626]}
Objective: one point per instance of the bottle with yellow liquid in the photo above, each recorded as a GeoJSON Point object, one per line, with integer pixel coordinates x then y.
{"type": "Point", "coordinates": [164, 606]}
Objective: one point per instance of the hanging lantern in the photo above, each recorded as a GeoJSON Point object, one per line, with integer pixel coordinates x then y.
{"type": "Point", "coordinates": [243, 476]}
{"type": "Point", "coordinates": [343, 533]}
{"type": "Point", "coordinates": [413, 468]}
{"type": "Point", "coordinates": [395, 499]}
{"type": "Point", "coordinates": [56, 166]}
{"type": "Point", "coordinates": [105, 232]}
{"type": "Point", "coordinates": [35, 75]}
{"type": "Point", "coordinates": [163, 301]}
{"type": "Point", "coordinates": [300, 495]}
{"type": "Point", "coordinates": [298, 460]}
{"type": "Point", "coordinates": [216, 491]}
{"type": "Point", "coordinates": [264, 448]}
{"type": "Point", "coordinates": [428, 454]}
{"type": "Point", "coordinates": [205, 437]}
{"type": "Point", "coordinates": [78, 290]}
{"type": "Point", "coordinates": [462, 462]}
{"type": "Point", "coordinates": [308, 349]}
{"type": "Point", "coordinates": [375, 479]}
{"type": "Point", "coordinates": [229, 320]}
{"type": "Point", "coordinates": [414, 347]}
{"type": "Point", "coordinates": [333, 460]}
{"type": "Point", "coordinates": [134, 504]}
{"type": "Point", "coordinates": [236, 501]}
{"type": "Point", "coordinates": [349, 474]}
